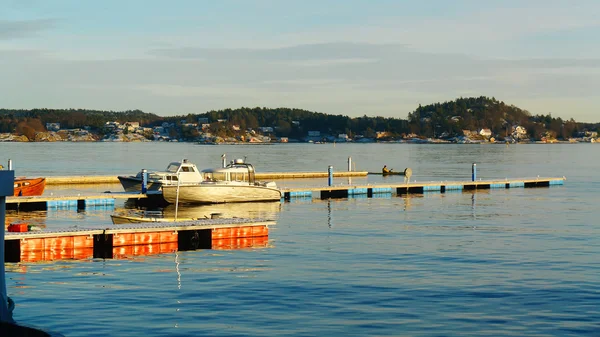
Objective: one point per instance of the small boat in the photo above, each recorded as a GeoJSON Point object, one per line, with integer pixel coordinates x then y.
{"type": "Point", "coordinates": [183, 171]}
{"type": "Point", "coordinates": [27, 187]}
{"type": "Point", "coordinates": [265, 210]}
{"type": "Point", "coordinates": [392, 173]}
{"type": "Point", "coordinates": [407, 172]}
{"type": "Point", "coordinates": [118, 219]}
{"type": "Point", "coordinates": [233, 183]}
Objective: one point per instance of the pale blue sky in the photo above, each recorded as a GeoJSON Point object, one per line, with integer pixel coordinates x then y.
{"type": "Point", "coordinates": [350, 57]}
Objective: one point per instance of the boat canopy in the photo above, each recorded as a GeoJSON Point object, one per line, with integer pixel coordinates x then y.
{"type": "Point", "coordinates": [237, 170]}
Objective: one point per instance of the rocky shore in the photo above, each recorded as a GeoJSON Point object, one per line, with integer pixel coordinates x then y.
{"type": "Point", "coordinates": [69, 136]}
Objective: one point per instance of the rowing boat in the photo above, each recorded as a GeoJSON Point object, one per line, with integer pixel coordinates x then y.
{"type": "Point", "coordinates": [388, 173]}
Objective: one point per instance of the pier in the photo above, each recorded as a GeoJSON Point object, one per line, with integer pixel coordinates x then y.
{"type": "Point", "coordinates": [345, 191]}
{"type": "Point", "coordinates": [74, 180]}
{"type": "Point", "coordinates": [121, 241]}
{"type": "Point", "coordinates": [81, 202]}
{"type": "Point", "coordinates": [45, 202]}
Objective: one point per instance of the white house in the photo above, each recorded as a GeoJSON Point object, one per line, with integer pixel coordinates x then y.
{"type": "Point", "coordinates": [519, 132]}
{"type": "Point", "coordinates": [487, 133]}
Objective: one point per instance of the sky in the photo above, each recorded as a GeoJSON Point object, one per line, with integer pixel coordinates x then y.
{"type": "Point", "coordinates": [347, 57]}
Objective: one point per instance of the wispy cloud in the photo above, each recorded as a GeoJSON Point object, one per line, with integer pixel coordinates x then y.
{"type": "Point", "coordinates": [350, 57]}
{"type": "Point", "coordinates": [25, 28]}
{"type": "Point", "coordinates": [353, 79]}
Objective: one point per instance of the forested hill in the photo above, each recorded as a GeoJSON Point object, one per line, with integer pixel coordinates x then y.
{"type": "Point", "coordinates": [476, 113]}
{"type": "Point", "coordinates": [36, 119]}
{"type": "Point", "coordinates": [446, 119]}
{"type": "Point", "coordinates": [296, 123]}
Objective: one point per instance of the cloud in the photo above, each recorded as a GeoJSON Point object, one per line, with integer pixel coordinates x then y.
{"type": "Point", "coordinates": [338, 78]}
{"type": "Point", "coordinates": [25, 28]}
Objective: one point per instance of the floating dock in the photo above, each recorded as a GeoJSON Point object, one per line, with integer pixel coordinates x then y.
{"type": "Point", "coordinates": [330, 192]}
{"type": "Point", "coordinates": [81, 202]}
{"type": "Point", "coordinates": [82, 180]}
{"type": "Point", "coordinates": [122, 241]}
{"type": "Point", "coordinates": [46, 202]}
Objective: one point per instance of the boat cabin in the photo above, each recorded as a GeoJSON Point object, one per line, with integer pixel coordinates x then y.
{"type": "Point", "coordinates": [184, 172]}
{"type": "Point", "coordinates": [22, 184]}
{"type": "Point", "coordinates": [237, 170]}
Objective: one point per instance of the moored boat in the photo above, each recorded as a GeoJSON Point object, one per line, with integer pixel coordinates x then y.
{"type": "Point", "coordinates": [183, 171]}
{"type": "Point", "coordinates": [119, 219]}
{"type": "Point", "coordinates": [29, 186]}
{"type": "Point", "coordinates": [231, 184]}
{"type": "Point", "coordinates": [265, 210]}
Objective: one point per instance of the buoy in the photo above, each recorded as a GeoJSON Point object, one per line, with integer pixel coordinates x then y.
{"type": "Point", "coordinates": [407, 174]}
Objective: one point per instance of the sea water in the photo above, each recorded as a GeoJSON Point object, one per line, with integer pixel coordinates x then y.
{"type": "Point", "coordinates": [505, 262]}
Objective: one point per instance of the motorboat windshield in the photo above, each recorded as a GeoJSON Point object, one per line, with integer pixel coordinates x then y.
{"type": "Point", "coordinates": [173, 167]}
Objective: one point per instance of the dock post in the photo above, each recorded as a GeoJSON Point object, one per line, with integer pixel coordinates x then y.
{"type": "Point", "coordinates": [330, 175]}
{"type": "Point", "coordinates": [349, 164]}
{"type": "Point", "coordinates": [474, 172]}
{"type": "Point", "coordinates": [10, 165]}
{"type": "Point", "coordinates": [7, 179]}
{"type": "Point", "coordinates": [144, 181]}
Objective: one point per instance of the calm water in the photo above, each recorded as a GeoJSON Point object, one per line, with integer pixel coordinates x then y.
{"type": "Point", "coordinates": [519, 262]}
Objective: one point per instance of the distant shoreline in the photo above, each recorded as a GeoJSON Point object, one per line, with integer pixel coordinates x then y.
{"type": "Point", "coordinates": [322, 143]}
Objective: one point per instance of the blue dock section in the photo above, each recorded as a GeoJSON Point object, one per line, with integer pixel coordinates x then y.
{"type": "Point", "coordinates": [105, 200]}
{"type": "Point", "coordinates": [371, 191]}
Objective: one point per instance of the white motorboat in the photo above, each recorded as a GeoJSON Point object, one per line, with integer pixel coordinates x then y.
{"type": "Point", "coordinates": [233, 183]}
{"type": "Point", "coordinates": [183, 172]}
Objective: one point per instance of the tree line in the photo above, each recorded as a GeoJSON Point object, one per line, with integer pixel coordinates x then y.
{"type": "Point", "coordinates": [445, 120]}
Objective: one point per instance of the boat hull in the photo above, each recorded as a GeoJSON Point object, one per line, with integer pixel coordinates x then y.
{"type": "Point", "coordinates": [134, 184]}
{"type": "Point", "coordinates": [217, 193]}
{"type": "Point", "coordinates": [265, 209]}
{"type": "Point", "coordinates": [28, 187]}
{"type": "Point", "coordinates": [388, 173]}
{"type": "Point", "coordinates": [126, 219]}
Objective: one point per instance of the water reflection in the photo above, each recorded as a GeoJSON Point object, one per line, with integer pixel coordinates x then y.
{"type": "Point", "coordinates": [83, 189]}
{"type": "Point", "coordinates": [473, 205]}
{"type": "Point", "coordinates": [329, 213]}
{"type": "Point", "coordinates": [268, 210]}
{"type": "Point", "coordinates": [177, 270]}
{"type": "Point", "coordinates": [34, 219]}
{"type": "Point", "coordinates": [406, 198]}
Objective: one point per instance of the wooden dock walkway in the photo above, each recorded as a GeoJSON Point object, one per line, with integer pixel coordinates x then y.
{"type": "Point", "coordinates": [119, 241]}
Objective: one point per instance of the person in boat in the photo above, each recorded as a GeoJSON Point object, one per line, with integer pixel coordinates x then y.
{"type": "Point", "coordinates": [385, 170]}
